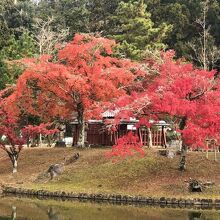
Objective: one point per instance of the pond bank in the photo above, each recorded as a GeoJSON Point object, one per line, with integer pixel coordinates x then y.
{"type": "Point", "coordinates": [116, 198]}
{"type": "Point", "coordinates": [151, 176]}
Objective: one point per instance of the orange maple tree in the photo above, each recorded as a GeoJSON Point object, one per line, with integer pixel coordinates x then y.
{"type": "Point", "coordinates": [81, 79]}
{"type": "Point", "coordinates": [13, 135]}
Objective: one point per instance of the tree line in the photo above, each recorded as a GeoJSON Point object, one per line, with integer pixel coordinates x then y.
{"type": "Point", "coordinates": [84, 78]}
{"type": "Point", "coordinates": [30, 28]}
{"type": "Point", "coordinates": [122, 61]}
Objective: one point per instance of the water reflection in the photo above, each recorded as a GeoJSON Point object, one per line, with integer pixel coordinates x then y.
{"type": "Point", "coordinates": [34, 209]}
{"type": "Point", "coordinates": [53, 214]}
{"type": "Point", "coordinates": [195, 215]}
{"type": "Point", "coordinates": [14, 213]}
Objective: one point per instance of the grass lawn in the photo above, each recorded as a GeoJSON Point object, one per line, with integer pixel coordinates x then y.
{"type": "Point", "coordinates": [151, 175]}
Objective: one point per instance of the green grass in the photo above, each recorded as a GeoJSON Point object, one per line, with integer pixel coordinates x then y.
{"type": "Point", "coordinates": [151, 175]}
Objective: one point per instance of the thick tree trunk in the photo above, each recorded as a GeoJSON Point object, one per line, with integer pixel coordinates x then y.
{"type": "Point", "coordinates": [81, 126]}
{"type": "Point", "coordinates": [13, 153]}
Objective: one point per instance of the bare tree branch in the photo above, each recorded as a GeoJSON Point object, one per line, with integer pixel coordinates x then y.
{"type": "Point", "coordinates": [46, 38]}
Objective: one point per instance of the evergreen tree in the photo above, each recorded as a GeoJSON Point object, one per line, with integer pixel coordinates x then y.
{"type": "Point", "coordinates": [66, 14]}
{"type": "Point", "coordinates": [133, 28]}
{"type": "Point", "coordinates": [16, 49]}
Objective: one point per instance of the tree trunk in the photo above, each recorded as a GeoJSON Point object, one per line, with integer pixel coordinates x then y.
{"type": "Point", "coordinates": [216, 155]}
{"type": "Point", "coordinates": [140, 136]}
{"type": "Point", "coordinates": [28, 141]}
{"type": "Point", "coordinates": [15, 164]}
{"type": "Point", "coordinates": [14, 213]}
{"type": "Point", "coordinates": [164, 137]}
{"type": "Point", "coordinates": [49, 141]}
{"type": "Point", "coordinates": [182, 162]}
{"type": "Point", "coordinates": [150, 142]}
{"type": "Point", "coordinates": [40, 140]}
{"type": "Point", "coordinates": [13, 153]}
{"type": "Point", "coordinates": [81, 126]}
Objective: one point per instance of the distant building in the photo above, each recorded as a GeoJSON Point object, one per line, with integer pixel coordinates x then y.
{"type": "Point", "coordinates": [100, 132]}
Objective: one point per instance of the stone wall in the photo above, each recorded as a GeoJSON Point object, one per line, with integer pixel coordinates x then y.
{"type": "Point", "coordinates": [116, 198]}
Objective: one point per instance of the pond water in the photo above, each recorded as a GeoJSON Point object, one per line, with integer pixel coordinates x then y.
{"type": "Point", "coordinates": [35, 209]}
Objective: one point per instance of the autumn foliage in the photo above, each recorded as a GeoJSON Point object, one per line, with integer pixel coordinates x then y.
{"type": "Point", "coordinates": [190, 97]}
{"type": "Point", "coordinates": [12, 134]}
{"type": "Point", "coordinates": [84, 78]}
{"type": "Point", "coordinates": [34, 130]}
{"type": "Point", "coordinates": [80, 81]}
{"type": "Point", "coordinates": [126, 146]}
{"type": "Point", "coordinates": [10, 139]}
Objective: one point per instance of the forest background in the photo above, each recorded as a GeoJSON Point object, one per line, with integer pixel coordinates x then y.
{"type": "Point", "coordinates": [30, 28]}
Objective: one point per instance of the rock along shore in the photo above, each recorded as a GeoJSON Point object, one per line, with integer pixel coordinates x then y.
{"type": "Point", "coordinates": [116, 198]}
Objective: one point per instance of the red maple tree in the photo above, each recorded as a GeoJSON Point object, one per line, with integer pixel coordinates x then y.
{"type": "Point", "coordinates": [81, 79]}
{"type": "Point", "coordinates": [11, 141]}
{"type": "Point", "coordinates": [33, 131]}
{"type": "Point", "coordinates": [189, 97]}
{"type": "Point", "coordinates": [126, 146]}
{"type": "Point", "coordinates": [13, 135]}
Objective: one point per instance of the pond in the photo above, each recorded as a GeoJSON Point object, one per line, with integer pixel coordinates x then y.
{"type": "Point", "coordinates": [35, 209]}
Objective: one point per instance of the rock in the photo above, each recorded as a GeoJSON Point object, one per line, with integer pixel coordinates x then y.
{"type": "Point", "coordinates": [167, 153]}
{"type": "Point", "coordinates": [170, 154]}
{"type": "Point", "coordinates": [163, 152]}
{"type": "Point", "coordinates": [217, 201]}
{"type": "Point", "coordinates": [194, 215]}
{"type": "Point", "coordinates": [181, 203]}
{"type": "Point", "coordinates": [124, 198]}
{"type": "Point", "coordinates": [174, 201]}
{"type": "Point", "coordinates": [163, 200]}
{"type": "Point", "coordinates": [195, 185]}
{"type": "Point", "coordinates": [55, 170]}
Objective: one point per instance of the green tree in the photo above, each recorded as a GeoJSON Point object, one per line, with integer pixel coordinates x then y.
{"type": "Point", "coordinates": [66, 14]}
{"type": "Point", "coordinates": [100, 15]}
{"type": "Point", "coordinates": [15, 42]}
{"type": "Point", "coordinates": [182, 14]}
{"type": "Point", "coordinates": [133, 28]}
{"type": "Point", "coordinates": [17, 16]}
{"type": "Point", "coordinates": [16, 49]}
{"type": "Point", "coordinates": [204, 50]}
